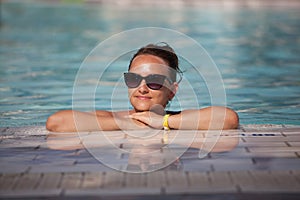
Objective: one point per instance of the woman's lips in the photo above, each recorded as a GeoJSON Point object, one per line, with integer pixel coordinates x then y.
{"type": "Point", "coordinates": [143, 97]}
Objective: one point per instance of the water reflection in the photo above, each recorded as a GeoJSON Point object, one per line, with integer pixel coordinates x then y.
{"type": "Point", "coordinates": [121, 151]}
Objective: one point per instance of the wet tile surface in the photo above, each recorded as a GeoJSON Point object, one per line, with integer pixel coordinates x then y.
{"type": "Point", "coordinates": [266, 160]}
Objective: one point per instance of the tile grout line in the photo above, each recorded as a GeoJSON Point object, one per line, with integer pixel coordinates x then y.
{"type": "Point", "coordinates": [247, 149]}
{"type": "Point", "coordinates": [16, 180]}
{"type": "Point", "coordinates": [41, 175]}
{"type": "Point", "coordinates": [81, 180]}
{"type": "Point", "coordinates": [167, 180]}
{"type": "Point", "coordinates": [237, 186]}
{"type": "Point", "coordinates": [188, 181]}
{"type": "Point", "coordinates": [62, 174]}
{"type": "Point", "coordinates": [103, 175]}
{"type": "Point", "coordinates": [163, 190]}
{"type": "Point", "coordinates": [282, 133]}
{"type": "Point", "coordinates": [297, 178]}
{"type": "Point", "coordinates": [287, 144]}
{"type": "Point", "coordinates": [145, 183]}
{"type": "Point", "coordinates": [212, 168]}
{"type": "Point", "coordinates": [124, 177]}
{"type": "Point", "coordinates": [208, 175]}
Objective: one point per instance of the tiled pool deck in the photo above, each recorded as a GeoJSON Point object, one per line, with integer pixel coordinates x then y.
{"type": "Point", "coordinates": [264, 165]}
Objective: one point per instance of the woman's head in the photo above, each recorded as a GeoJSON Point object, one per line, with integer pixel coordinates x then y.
{"type": "Point", "coordinates": [152, 72]}
{"type": "Point", "coordinates": [163, 51]}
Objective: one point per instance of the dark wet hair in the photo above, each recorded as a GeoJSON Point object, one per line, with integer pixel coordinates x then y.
{"type": "Point", "coordinates": [163, 51]}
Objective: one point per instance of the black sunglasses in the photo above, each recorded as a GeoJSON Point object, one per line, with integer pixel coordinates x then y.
{"type": "Point", "coordinates": [153, 81]}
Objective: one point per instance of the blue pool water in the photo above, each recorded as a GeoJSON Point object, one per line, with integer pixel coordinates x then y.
{"type": "Point", "coordinates": [42, 46]}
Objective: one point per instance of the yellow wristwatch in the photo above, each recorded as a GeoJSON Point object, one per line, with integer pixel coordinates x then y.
{"type": "Point", "coordinates": [165, 122]}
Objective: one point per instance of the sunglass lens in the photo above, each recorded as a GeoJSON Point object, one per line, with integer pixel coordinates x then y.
{"type": "Point", "coordinates": [154, 86]}
{"type": "Point", "coordinates": [132, 80]}
{"type": "Point", "coordinates": [155, 82]}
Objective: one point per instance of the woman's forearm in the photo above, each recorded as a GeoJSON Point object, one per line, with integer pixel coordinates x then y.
{"type": "Point", "coordinates": [205, 119]}
{"type": "Point", "coordinates": [73, 121]}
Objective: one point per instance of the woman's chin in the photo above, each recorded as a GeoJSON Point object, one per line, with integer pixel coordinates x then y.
{"type": "Point", "coordinates": [142, 108]}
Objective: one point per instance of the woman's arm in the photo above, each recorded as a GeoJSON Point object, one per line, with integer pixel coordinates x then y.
{"type": "Point", "coordinates": [210, 118]}
{"type": "Point", "coordinates": [73, 121]}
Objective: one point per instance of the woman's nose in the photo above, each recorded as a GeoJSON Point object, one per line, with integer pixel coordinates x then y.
{"type": "Point", "coordinates": [143, 87]}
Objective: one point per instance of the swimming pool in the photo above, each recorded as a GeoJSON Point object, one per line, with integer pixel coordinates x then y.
{"type": "Point", "coordinates": [42, 46]}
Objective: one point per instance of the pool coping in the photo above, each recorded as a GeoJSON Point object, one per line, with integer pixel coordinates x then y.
{"type": "Point", "coordinates": [177, 3]}
{"type": "Point", "coordinates": [266, 162]}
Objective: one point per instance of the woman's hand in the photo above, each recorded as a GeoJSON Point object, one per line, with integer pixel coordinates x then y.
{"type": "Point", "coordinates": [124, 121]}
{"type": "Point", "coordinates": [149, 118]}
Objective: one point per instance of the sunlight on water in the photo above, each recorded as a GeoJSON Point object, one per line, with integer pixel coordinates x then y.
{"type": "Point", "coordinates": [43, 45]}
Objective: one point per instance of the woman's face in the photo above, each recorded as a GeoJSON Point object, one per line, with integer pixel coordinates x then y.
{"type": "Point", "coordinates": [143, 98]}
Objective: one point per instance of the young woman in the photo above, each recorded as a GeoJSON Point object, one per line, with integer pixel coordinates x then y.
{"type": "Point", "coordinates": [151, 81]}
